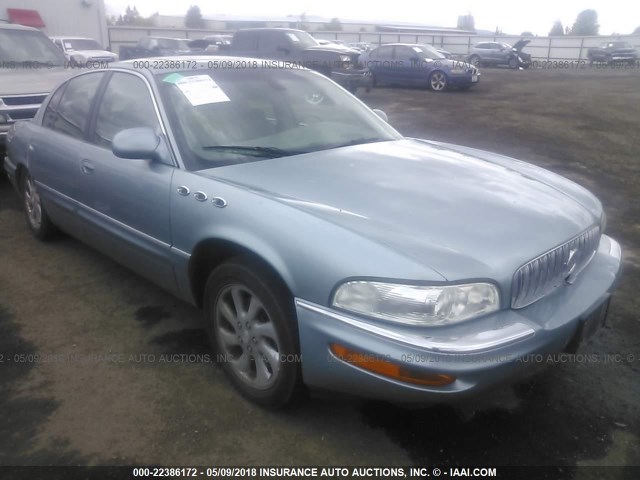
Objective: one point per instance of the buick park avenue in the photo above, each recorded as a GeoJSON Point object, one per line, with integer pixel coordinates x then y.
{"type": "Point", "coordinates": [326, 250]}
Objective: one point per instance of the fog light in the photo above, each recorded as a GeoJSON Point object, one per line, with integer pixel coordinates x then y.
{"type": "Point", "coordinates": [388, 369]}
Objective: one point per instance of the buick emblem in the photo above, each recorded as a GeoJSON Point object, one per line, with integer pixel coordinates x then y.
{"type": "Point", "coordinates": [569, 266]}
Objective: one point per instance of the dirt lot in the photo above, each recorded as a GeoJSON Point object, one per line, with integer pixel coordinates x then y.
{"type": "Point", "coordinates": [65, 299]}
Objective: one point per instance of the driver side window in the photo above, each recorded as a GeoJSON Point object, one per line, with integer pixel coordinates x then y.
{"type": "Point", "coordinates": [126, 103]}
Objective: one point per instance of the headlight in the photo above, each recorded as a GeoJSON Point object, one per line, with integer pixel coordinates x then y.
{"type": "Point", "coordinates": [520, 60]}
{"type": "Point", "coordinates": [345, 58]}
{"type": "Point", "coordinates": [417, 305]}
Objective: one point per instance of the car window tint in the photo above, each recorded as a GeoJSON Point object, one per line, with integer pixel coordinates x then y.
{"type": "Point", "coordinates": [405, 54]}
{"type": "Point", "coordinates": [50, 114]}
{"type": "Point", "coordinates": [71, 114]}
{"type": "Point", "coordinates": [245, 41]}
{"type": "Point", "coordinates": [126, 103]}
{"type": "Point", "coordinates": [385, 52]}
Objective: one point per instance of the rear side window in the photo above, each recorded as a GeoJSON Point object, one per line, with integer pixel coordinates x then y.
{"type": "Point", "coordinates": [245, 41]}
{"type": "Point", "coordinates": [71, 114]}
{"type": "Point", "coordinates": [126, 103]}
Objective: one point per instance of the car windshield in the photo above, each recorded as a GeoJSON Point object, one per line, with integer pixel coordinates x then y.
{"type": "Point", "coordinates": [81, 44]}
{"type": "Point", "coordinates": [428, 52]}
{"type": "Point", "coordinates": [302, 39]}
{"type": "Point", "coordinates": [227, 116]}
{"type": "Point", "coordinates": [173, 44]}
{"type": "Point", "coordinates": [27, 46]}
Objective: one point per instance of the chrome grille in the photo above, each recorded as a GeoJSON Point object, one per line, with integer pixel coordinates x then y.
{"type": "Point", "coordinates": [20, 107]}
{"type": "Point", "coordinates": [545, 273]}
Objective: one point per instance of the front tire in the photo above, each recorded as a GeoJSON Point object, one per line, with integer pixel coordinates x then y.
{"type": "Point", "coordinates": [438, 81]}
{"type": "Point", "coordinates": [513, 63]}
{"type": "Point", "coordinates": [38, 221]}
{"type": "Point", "coordinates": [251, 324]}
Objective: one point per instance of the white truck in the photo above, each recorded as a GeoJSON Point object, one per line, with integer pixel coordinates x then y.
{"type": "Point", "coordinates": [30, 66]}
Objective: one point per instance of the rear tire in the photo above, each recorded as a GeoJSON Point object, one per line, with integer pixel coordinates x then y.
{"type": "Point", "coordinates": [251, 323]}
{"type": "Point", "coordinates": [38, 221]}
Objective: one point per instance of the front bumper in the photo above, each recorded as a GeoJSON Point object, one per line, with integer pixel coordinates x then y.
{"type": "Point", "coordinates": [479, 353]}
{"type": "Point", "coordinates": [464, 80]}
{"type": "Point", "coordinates": [352, 78]}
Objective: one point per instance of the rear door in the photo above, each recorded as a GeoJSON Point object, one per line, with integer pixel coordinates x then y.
{"type": "Point", "coordinates": [55, 151]}
{"type": "Point", "coordinates": [126, 207]}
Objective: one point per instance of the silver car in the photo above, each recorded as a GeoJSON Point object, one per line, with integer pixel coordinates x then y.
{"type": "Point", "coordinates": [326, 250]}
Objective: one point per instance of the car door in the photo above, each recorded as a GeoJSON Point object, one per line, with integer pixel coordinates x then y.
{"type": "Point", "coordinates": [54, 152]}
{"type": "Point", "coordinates": [126, 202]}
{"type": "Point", "coordinates": [384, 64]}
{"type": "Point", "coordinates": [408, 66]}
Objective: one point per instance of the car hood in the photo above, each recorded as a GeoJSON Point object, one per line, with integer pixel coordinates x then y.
{"type": "Point", "coordinates": [92, 53]}
{"type": "Point", "coordinates": [520, 44]}
{"type": "Point", "coordinates": [324, 48]}
{"type": "Point", "coordinates": [460, 214]}
{"type": "Point", "coordinates": [23, 81]}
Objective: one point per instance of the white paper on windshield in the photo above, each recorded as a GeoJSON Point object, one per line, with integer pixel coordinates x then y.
{"type": "Point", "coordinates": [417, 49]}
{"type": "Point", "coordinates": [201, 90]}
{"type": "Point", "coordinates": [293, 36]}
{"type": "Point", "coordinates": [68, 46]}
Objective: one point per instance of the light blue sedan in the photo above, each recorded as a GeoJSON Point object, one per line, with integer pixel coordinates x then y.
{"type": "Point", "coordinates": [326, 250]}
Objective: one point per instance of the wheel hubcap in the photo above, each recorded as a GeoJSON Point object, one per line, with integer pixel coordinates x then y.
{"type": "Point", "coordinates": [247, 337]}
{"type": "Point", "coordinates": [32, 203]}
{"type": "Point", "coordinates": [438, 81]}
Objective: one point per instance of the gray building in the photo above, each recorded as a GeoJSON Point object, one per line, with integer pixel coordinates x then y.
{"type": "Point", "coordinates": [78, 18]}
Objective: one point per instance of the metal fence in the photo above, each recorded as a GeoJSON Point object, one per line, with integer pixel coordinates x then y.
{"type": "Point", "coordinates": [540, 48]}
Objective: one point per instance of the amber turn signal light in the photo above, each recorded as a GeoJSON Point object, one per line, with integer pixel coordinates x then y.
{"type": "Point", "coordinates": [373, 364]}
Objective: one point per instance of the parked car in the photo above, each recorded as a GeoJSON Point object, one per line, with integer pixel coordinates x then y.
{"type": "Point", "coordinates": [422, 65]}
{"type": "Point", "coordinates": [497, 53]}
{"type": "Point", "coordinates": [323, 246]}
{"type": "Point", "coordinates": [30, 66]}
{"type": "Point", "coordinates": [148, 47]}
{"type": "Point", "coordinates": [360, 46]}
{"type": "Point", "coordinates": [445, 53]}
{"type": "Point", "coordinates": [79, 51]}
{"type": "Point", "coordinates": [337, 45]}
{"type": "Point", "coordinates": [297, 46]}
{"type": "Point", "coordinates": [613, 52]}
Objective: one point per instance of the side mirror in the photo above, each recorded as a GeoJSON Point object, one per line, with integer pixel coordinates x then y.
{"type": "Point", "coordinates": [381, 114]}
{"type": "Point", "coordinates": [138, 144]}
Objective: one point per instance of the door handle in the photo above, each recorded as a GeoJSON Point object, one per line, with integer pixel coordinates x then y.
{"type": "Point", "coordinates": [87, 167]}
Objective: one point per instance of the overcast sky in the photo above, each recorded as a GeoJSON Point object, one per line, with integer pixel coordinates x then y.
{"type": "Point", "coordinates": [537, 16]}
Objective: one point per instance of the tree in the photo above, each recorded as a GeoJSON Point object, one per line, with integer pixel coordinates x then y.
{"type": "Point", "coordinates": [466, 22]}
{"type": "Point", "coordinates": [193, 18]}
{"type": "Point", "coordinates": [334, 25]}
{"type": "Point", "coordinates": [527, 34]}
{"type": "Point", "coordinates": [586, 23]}
{"type": "Point", "coordinates": [557, 29]}
{"type": "Point", "coordinates": [133, 18]}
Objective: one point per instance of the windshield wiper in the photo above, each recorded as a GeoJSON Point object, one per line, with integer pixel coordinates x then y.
{"type": "Point", "coordinates": [266, 152]}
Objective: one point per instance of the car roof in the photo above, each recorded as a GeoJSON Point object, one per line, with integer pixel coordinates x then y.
{"type": "Point", "coordinates": [262, 29]}
{"type": "Point", "coordinates": [71, 38]}
{"type": "Point", "coordinates": [15, 26]}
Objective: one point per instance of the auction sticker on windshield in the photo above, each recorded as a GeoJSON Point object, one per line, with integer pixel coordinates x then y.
{"type": "Point", "coordinates": [199, 89]}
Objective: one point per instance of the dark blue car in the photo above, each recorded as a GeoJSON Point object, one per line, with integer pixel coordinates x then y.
{"type": "Point", "coordinates": [414, 64]}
